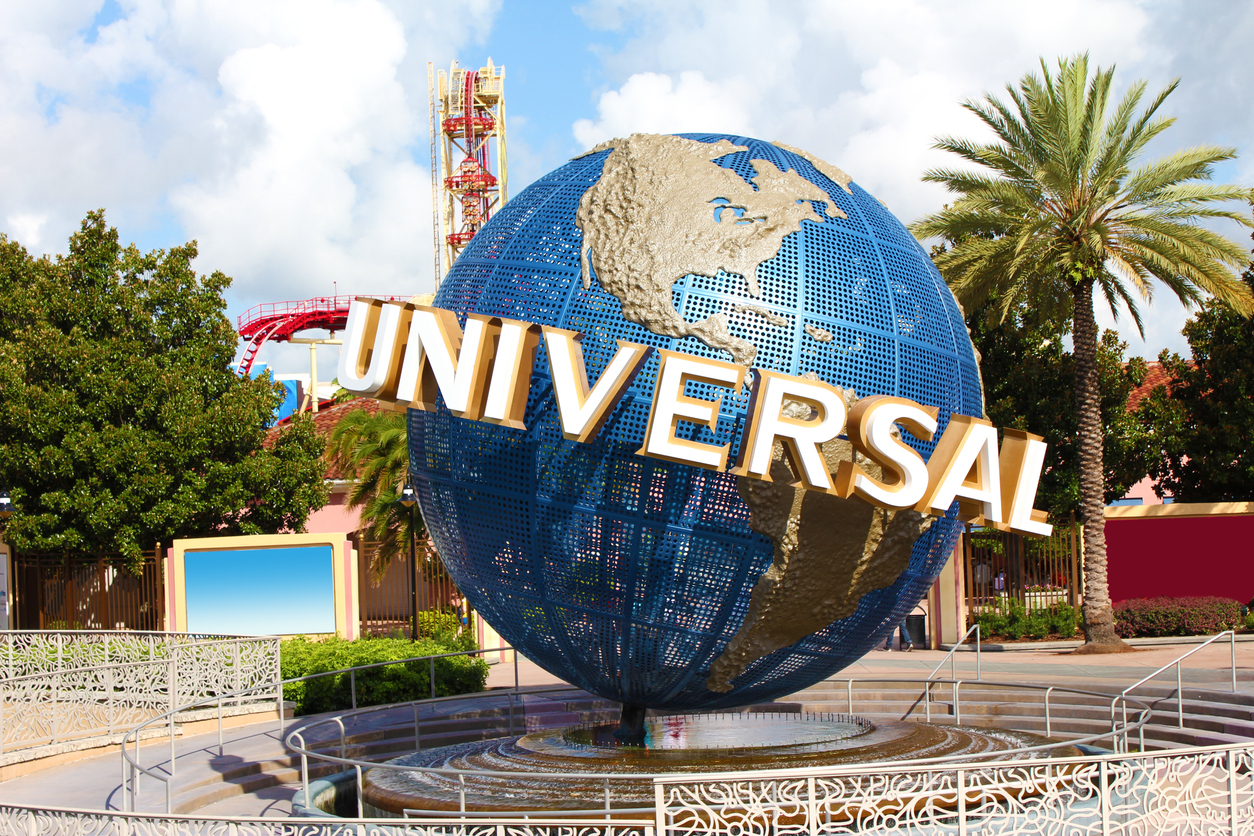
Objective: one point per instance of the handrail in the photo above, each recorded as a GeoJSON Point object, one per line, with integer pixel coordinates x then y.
{"type": "Point", "coordinates": [949, 657]}
{"type": "Point", "coordinates": [1232, 634]}
{"type": "Point", "coordinates": [276, 687]}
{"type": "Point", "coordinates": [305, 753]}
{"type": "Point", "coordinates": [599, 776]}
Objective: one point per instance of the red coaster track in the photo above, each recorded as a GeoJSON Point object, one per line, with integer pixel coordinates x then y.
{"type": "Point", "coordinates": [280, 321]}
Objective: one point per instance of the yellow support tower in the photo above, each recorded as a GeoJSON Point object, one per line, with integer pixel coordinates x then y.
{"type": "Point", "coordinates": [468, 182]}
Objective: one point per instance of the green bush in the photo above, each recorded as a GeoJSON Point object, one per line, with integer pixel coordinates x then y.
{"type": "Point", "coordinates": [444, 627]}
{"type": "Point", "coordinates": [1249, 621]}
{"type": "Point", "coordinates": [378, 686]}
{"type": "Point", "coordinates": [1008, 618]}
{"type": "Point", "coordinates": [1197, 615]}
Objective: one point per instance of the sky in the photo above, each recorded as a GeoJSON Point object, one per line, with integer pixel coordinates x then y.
{"type": "Point", "coordinates": [260, 592]}
{"type": "Point", "coordinates": [290, 139]}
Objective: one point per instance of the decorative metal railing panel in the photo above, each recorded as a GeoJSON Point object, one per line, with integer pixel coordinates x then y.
{"type": "Point", "coordinates": [48, 708]}
{"type": "Point", "coordinates": [1204, 791]}
{"type": "Point", "coordinates": [52, 822]}
{"type": "Point", "coordinates": [206, 669]}
{"type": "Point", "coordinates": [73, 685]}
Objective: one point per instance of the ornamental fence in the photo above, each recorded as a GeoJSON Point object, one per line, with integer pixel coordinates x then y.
{"type": "Point", "coordinates": [74, 686]}
{"type": "Point", "coordinates": [1180, 791]}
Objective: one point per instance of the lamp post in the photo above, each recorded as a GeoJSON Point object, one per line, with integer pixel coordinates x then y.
{"type": "Point", "coordinates": [6, 505]}
{"type": "Point", "coordinates": [409, 499]}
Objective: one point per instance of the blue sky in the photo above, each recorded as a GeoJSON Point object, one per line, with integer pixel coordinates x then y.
{"type": "Point", "coordinates": [289, 137]}
{"type": "Point", "coordinates": [260, 592]}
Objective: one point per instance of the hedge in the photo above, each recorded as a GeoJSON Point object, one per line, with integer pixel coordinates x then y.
{"type": "Point", "coordinates": [1010, 619]}
{"type": "Point", "coordinates": [1186, 616]}
{"type": "Point", "coordinates": [392, 683]}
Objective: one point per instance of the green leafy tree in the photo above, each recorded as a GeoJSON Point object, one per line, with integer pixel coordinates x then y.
{"type": "Point", "coordinates": [121, 422]}
{"type": "Point", "coordinates": [1204, 420]}
{"type": "Point", "coordinates": [1029, 384]}
{"type": "Point", "coordinates": [373, 448]}
{"type": "Point", "coordinates": [1060, 207]}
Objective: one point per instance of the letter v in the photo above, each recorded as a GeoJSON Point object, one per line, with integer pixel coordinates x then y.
{"type": "Point", "coordinates": [584, 411]}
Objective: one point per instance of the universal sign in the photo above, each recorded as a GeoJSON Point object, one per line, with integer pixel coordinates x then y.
{"type": "Point", "coordinates": [407, 354]}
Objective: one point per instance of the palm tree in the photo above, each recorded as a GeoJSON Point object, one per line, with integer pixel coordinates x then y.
{"type": "Point", "coordinates": [374, 449]}
{"type": "Point", "coordinates": [1057, 210]}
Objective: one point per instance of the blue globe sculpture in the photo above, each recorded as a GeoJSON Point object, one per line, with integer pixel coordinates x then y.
{"type": "Point", "coordinates": [630, 576]}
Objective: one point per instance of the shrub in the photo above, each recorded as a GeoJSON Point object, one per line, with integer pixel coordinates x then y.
{"type": "Point", "coordinates": [1008, 618]}
{"type": "Point", "coordinates": [392, 683]}
{"type": "Point", "coordinates": [444, 627]}
{"type": "Point", "coordinates": [1186, 616]}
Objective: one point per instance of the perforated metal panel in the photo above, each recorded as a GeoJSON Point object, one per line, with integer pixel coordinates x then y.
{"type": "Point", "coordinates": [627, 575]}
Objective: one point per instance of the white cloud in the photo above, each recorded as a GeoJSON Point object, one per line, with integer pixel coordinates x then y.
{"type": "Point", "coordinates": [288, 137]}
{"type": "Point", "coordinates": [870, 86]}
{"type": "Point", "coordinates": [655, 103]}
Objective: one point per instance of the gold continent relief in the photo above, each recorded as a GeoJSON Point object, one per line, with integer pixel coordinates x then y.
{"type": "Point", "coordinates": [648, 222]}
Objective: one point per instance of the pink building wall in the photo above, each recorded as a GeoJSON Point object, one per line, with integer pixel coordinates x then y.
{"type": "Point", "coordinates": [335, 515]}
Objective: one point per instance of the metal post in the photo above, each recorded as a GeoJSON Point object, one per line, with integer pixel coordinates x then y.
{"type": "Point", "coordinates": [1048, 691]}
{"type": "Point", "coordinates": [812, 808]}
{"type": "Point", "coordinates": [1233, 637]}
{"type": "Point", "coordinates": [431, 661]}
{"type": "Point", "coordinates": [607, 799]}
{"type": "Point", "coordinates": [417, 730]}
{"type": "Point", "coordinates": [109, 686]}
{"type": "Point", "coordinates": [278, 686]}
{"type": "Point", "coordinates": [511, 715]}
{"type": "Point", "coordinates": [173, 676]}
{"type": "Point", "coordinates": [361, 814]}
{"type": "Point", "coordinates": [56, 699]}
{"type": "Point", "coordinates": [1179, 700]}
{"type": "Point", "coordinates": [123, 784]}
{"type": "Point", "coordinates": [461, 791]}
{"type": "Point", "coordinates": [352, 686]}
{"type": "Point", "coordinates": [960, 785]}
{"type": "Point", "coordinates": [413, 578]}
{"type": "Point", "coordinates": [958, 703]}
{"type": "Point", "coordinates": [659, 809]}
{"type": "Point", "coordinates": [1232, 792]}
{"type": "Point", "coordinates": [978, 674]}
{"type": "Point", "coordinates": [1103, 799]}
{"type": "Point", "coordinates": [219, 725]}
{"type": "Point", "coordinates": [304, 769]}
{"type": "Point", "coordinates": [849, 693]}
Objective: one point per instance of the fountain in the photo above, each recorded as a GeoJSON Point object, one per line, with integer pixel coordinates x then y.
{"type": "Point", "coordinates": [586, 768]}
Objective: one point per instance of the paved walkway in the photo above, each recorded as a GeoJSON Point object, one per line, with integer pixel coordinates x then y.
{"type": "Point", "coordinates": [94, 782]}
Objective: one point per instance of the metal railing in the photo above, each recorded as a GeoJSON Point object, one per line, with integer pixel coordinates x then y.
{"type": "Point", "coordinates": [1210, 788]}
{"type": "Point", "coordinates": [297, 741]}
{"type": "Point", "coordinates": [52, 697]}
{"type": "Point", "coordinates": [132, 769]}
{"type": "Point", "coordinates": [1122, 696]}
{"type": "Point", "coordinates": [1194, 790]}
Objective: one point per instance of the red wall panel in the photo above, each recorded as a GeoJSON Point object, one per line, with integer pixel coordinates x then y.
{"type": "Point", "coordinates": [1151, 556]}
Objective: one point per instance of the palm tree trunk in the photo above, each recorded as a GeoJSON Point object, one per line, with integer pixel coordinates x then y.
{"type": "Point", "coordinates": [1099, 617]}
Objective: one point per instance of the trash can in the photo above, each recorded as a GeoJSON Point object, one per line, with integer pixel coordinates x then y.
{"type": "Point", "coordinates": [916, 629]}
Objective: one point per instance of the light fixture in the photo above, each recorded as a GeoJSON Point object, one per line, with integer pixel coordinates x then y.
{"type": "Point", "coordinates": [408, 497]}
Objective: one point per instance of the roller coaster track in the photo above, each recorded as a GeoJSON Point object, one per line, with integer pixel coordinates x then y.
{"type": "Point", "coordinates": [280, 321]}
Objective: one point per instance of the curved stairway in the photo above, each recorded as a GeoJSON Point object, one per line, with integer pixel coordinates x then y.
{"type": "Point", "coordinates": [1210, 718]}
